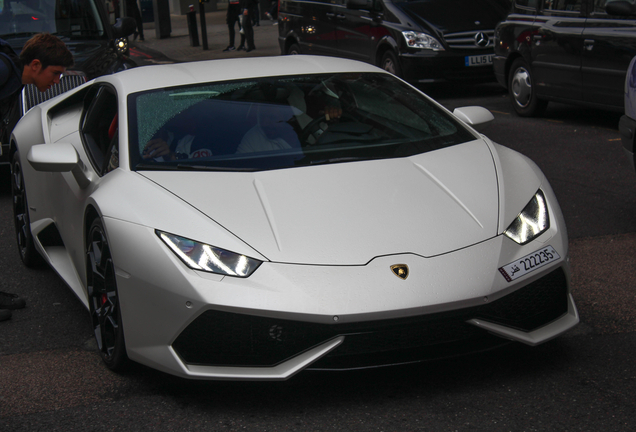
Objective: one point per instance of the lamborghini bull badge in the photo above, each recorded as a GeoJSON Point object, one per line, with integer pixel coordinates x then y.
{"type": "Point", "coordinates": [400, 270]}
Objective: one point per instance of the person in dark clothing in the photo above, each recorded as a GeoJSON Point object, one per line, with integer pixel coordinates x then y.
{"type": "Point", "coordinates": [132, 10]}
{"type": "Point", "coordinates": [247, 11]}
{"type": "Point", "coordinates": [256, 16]}
{"type": "Point", "coordinates": [42, 61]}
{"type": "Point", "coordinates": [232, 17]}
{"type": "Point", "coordinates": [272, 13]}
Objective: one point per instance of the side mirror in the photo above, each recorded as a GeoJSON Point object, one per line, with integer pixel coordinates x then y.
{"type": "Point", "coordinates": [475, 116]}
{"type": "Point", "coordinates": [620, 8]}
{"type": "Point", "coordinates": [59, 158]}
{"type": "Point", "coordinates": [124, 27]}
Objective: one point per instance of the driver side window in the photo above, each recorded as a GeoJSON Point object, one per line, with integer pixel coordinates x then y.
{"type": "Point", "coordinates": [100, 129]}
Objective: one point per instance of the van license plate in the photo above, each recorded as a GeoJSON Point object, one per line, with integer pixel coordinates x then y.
{"type": "Point", "coordinates": [479, 60]}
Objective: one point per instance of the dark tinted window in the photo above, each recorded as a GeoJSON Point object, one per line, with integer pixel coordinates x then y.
{"type": "Point", "coordinates": [530, 4]}
{"type": "Point", "coordinates": [562, 5]}
{"type": "Point", "coordinates": [284, 122]}
{"type": "Point", "coordinates": [599, 5]}
{"type": "Point", "coordinates": [100, 127]}
{"type": "Point", "coordinates": [73, 18]}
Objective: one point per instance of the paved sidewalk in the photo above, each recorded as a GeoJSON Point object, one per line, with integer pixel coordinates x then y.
{"type": "Point", "coordinates": [176, 48]}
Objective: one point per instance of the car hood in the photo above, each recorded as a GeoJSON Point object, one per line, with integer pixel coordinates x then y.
{"type": "Point", "coordinates": [350, 213]}
{"type": "Point", "coordinates": [444, 16]}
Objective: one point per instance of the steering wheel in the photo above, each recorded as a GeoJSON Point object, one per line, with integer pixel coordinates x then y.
{"type": "Point", "coordinates": [312, 128]}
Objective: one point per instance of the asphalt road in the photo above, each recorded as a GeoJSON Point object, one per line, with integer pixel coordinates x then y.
{"type": "Point", "coordinates": [52, 379]}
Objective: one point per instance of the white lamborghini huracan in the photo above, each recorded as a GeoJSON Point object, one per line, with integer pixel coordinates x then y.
{"type": "Point", "coordinates": [252, 218]}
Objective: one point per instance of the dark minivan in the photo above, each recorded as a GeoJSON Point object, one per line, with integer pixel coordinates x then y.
{"type": "Point", "coordinates": [98, 47]}
{"type": "Point", "coordinates": [422, 41]}
{"type": "Point", "coordinates": [573, 51]}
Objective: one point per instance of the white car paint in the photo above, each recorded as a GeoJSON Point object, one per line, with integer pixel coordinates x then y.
{"type": "Point", "coordinates": [327, 235]}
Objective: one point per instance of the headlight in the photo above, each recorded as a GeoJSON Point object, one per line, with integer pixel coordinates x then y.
{"type": "Point", "coordinates": [422, 41]}
{"type": "Point", "coordinates": [531, 222]}
{"type": "Point", "coordinates": [200, 256]}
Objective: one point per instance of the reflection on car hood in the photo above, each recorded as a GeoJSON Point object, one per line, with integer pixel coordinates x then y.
{"type": "Point", "coordinates": [349, 213]}
{"type": "Point", "coordinates": [436, 13]}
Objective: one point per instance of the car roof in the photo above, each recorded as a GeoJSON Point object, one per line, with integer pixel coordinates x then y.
{"type": "Point", "coordinates": [160, 76]}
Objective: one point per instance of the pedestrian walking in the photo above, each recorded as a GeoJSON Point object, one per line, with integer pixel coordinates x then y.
{"type": "Point", "coordinates": [247, 11]}
{"type": "Point", "coordinates": [232, 18]}
{"type": "Point", "coordinates": [132, 10]}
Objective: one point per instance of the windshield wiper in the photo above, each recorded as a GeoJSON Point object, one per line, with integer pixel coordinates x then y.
{"type": "Point", "coordinates": [155, 167]}
{"type": "Point", "coordinates": [338, 160]}
{"type": "Point", "coordinates": [188, 167]}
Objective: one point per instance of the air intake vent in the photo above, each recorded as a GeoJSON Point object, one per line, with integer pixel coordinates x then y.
{"type": "Point", "coordinates": [31, 96]}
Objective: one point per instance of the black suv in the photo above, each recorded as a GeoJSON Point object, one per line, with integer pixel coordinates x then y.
{"type": "Point", "coordinates": [98, 47]}
{"type": "Point", "coordinates": [573, 51]}
{"type": "Point", "coordinates": [423, 41]}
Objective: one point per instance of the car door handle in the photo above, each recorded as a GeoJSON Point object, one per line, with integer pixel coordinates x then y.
{"type": "Point", "coordinates": [341, 17]}
{"type": "Point", "coordinates": [588, 44]}
{"type": "Point", "coordinates": [330, 15]}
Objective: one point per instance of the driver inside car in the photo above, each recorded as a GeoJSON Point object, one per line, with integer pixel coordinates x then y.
{"type": "Point", "coordinates": [280, 126]}
{"type": "Point", "coordinates": [165, 146]}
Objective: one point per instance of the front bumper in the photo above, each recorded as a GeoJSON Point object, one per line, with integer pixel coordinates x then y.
{"type": "Point", "coordinates": [532, 314]}
{"type": "Point", "coordinates": [627, 128]}
{"type": "Point", "coordinates": [286, 318]}
{"type": "Point", "coordinates": [423, 66]}
{"type": "Point", "coordinates": [499, 68]}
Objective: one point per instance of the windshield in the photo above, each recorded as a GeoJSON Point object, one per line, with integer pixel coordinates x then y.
{"type": "Point", "coordinates": [284, 122]}
{"type": "Point", "coordinates": [64, 18]}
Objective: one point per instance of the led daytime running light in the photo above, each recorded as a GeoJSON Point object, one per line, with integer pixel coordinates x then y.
{"type": "Point", "coordinates": [531, 222]}
{"type": "Point", "coordinates": [200, 256]}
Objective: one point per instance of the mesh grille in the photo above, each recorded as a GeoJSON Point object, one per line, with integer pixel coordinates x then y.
{"type": "Point", "coordinates": [31, 96]}
{"type": "Point", "coordinates": [467, 40]}
{"type": "Point", "coordinates": [530, 307]}
{"type": "Point", "coordinates": [222, 338]}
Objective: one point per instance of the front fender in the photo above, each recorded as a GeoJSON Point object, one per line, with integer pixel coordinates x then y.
{"type": "Point", "coordinates": [388, 42]}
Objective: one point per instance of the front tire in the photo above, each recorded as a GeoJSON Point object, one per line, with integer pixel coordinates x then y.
{"type": "Point", "coordinates": [522, 91]}
{"type": "Point", "coordinates": [390, 63]}
{"type": "Point", "coordinates": [293, 49]}
{"type": "Point", "coordinates": [28, 253]}
{"type": "Point", "coordinates": [103, 299]}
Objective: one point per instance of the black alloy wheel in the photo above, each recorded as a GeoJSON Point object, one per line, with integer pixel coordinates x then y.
{"type": "Point", "coordinates": [521, 88]}
{"type": "Point", "coordinates": [103, 298]}
{"type": "Point", "coordinates": [29, 255]}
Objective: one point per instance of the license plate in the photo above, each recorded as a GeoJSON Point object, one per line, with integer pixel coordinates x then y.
{"type": "Point", "coordinates": [529, 263]}
{"type": "Point", "coordinates": [479, 60]}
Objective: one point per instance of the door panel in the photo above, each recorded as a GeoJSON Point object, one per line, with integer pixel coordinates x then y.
{"type": "Point", "coordinates": [609, 46]}
{"type": "Point", "coordinates": [318, 30]}
{"type": "Point", "coordinates": [358, 33]}
{"type": "Point", "coordinates": [557, 48]}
